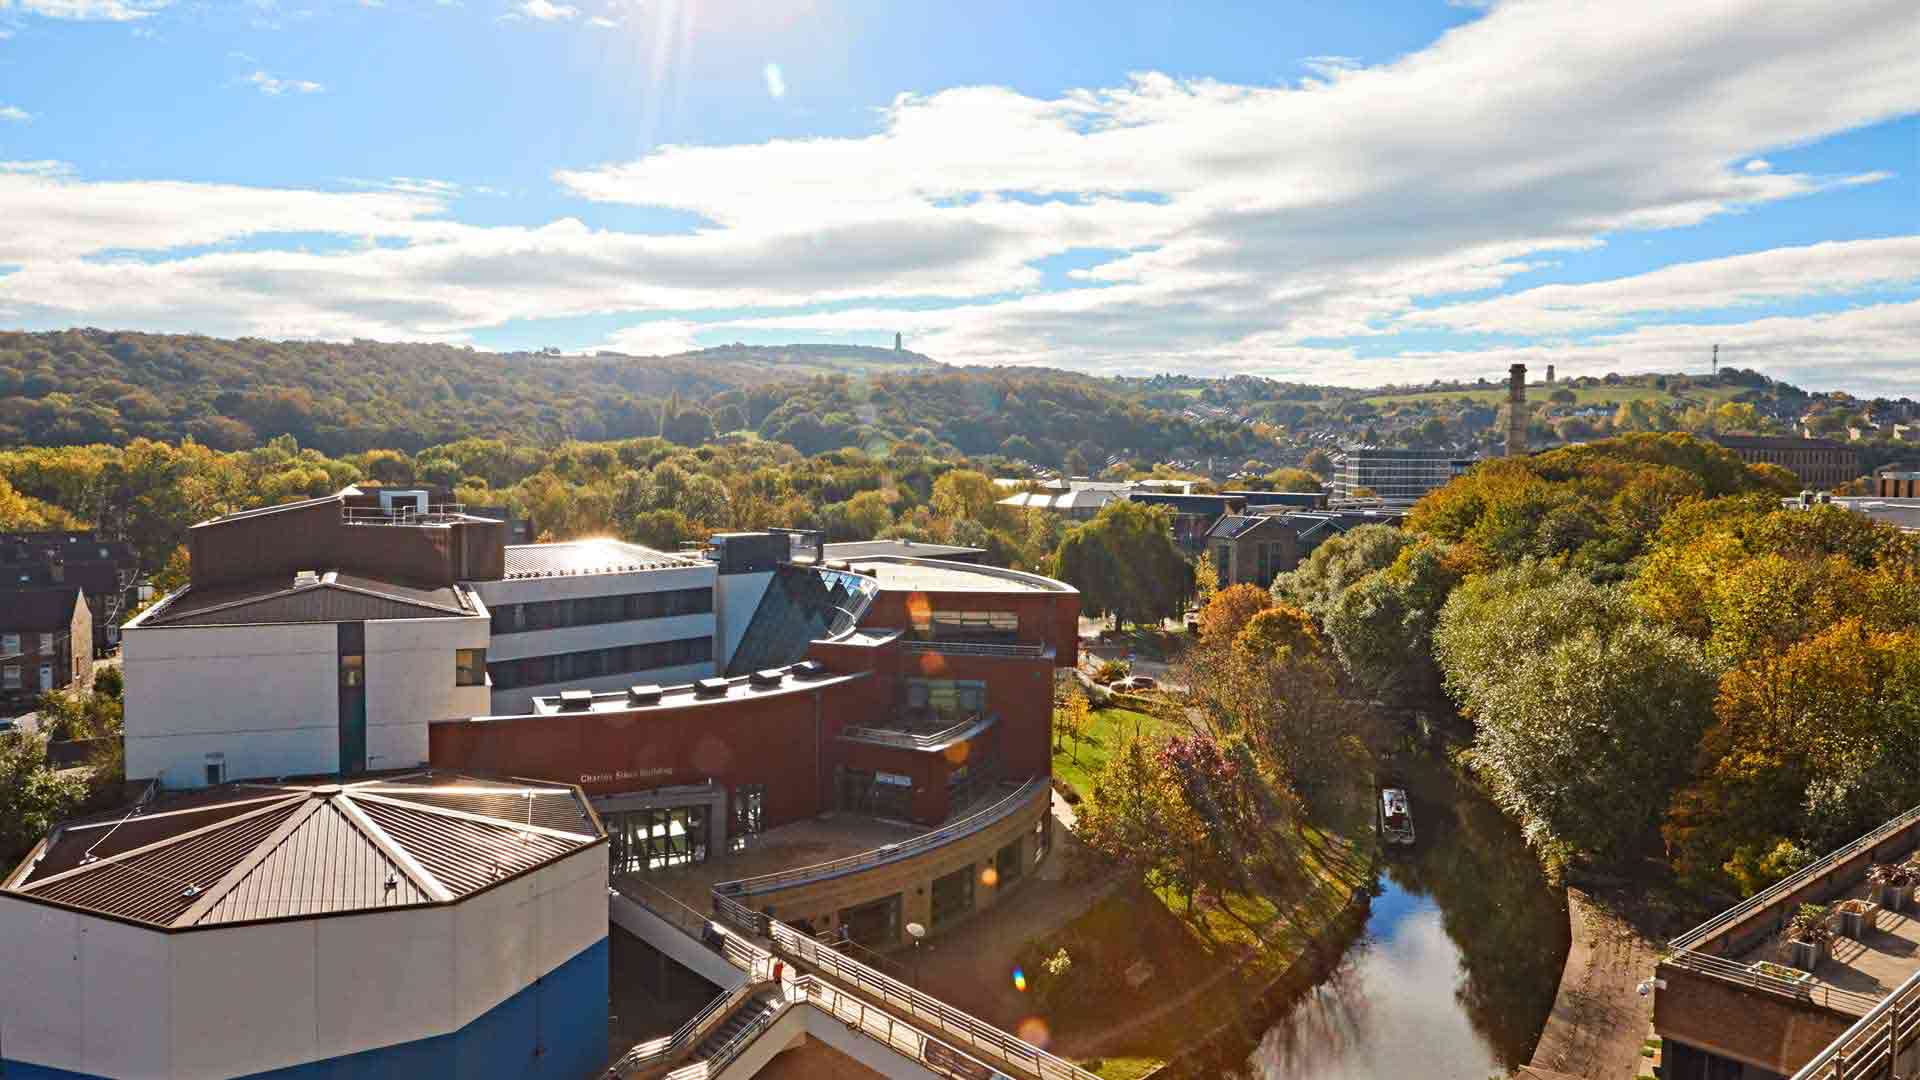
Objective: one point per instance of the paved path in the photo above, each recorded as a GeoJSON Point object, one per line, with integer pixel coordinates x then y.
{"type": "Point", "coordinates": [1599, 1020]}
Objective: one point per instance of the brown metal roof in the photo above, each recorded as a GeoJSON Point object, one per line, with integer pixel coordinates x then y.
{"type": "Point", "coordinates": [253, 852]}
{"type": "Point", "coordinates": [334, 598]}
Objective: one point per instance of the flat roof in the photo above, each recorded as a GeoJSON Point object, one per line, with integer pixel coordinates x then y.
{"type": "Point", "coordinates": [598, 556]}
{"type": "Point", "coordinates": [934, 575]}
{"type": "Point", "coordinates": [254, 852]}
{"type": "Point", "coordinates": [680, 695]}
{"type": "Point", "coordinates": [1875, 964]}
{"type": "Point", "coordinates": [856, 549]}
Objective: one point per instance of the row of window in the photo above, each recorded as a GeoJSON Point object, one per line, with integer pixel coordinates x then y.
{"type": "Point", "coordinates": [469, 668]}
{"type": "Point", "coordinates": [985, 626]}
{"type": "Point", "coordinates": [594, 663]}
{"type": "Point", "coordinates": [594, 610]}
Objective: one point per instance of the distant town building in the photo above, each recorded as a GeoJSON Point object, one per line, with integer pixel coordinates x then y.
{"type": "Point", "coordinates": [1897, 483]}
{"type": "Point", "coordinates": [46, 638]}
{"type": "Point", "coordinates": [107, 571]}
{"type": "Point", "coordinates": [1394, 476]}
{"type": "Point", "coordinates": [1193, 515]}
{"type": "Point", "coordinates": [1255, 548]}
{"type": "Point", "coordinates": [1821, 463]}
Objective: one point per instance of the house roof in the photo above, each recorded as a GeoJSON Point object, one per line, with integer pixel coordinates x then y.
{"type": "Point", "coordinates": [1234, 526]}
{"type": "Point", "coordinates": [330, 598]}
{"type": "Point", "coordinates": [250, 852]}
{"type": "Point", "coordinates": [1776, 442]}
{"type": "Point", "coordinates": [860, 549]}
{"type": "Point", "coordinates": [1077, 499]}
{"type": "Point", "coordinates": [1189, 504]}
{"type": "Point", "coordinates": [588, 557]}
{"type": "Point", "coordinates": [39, 610]}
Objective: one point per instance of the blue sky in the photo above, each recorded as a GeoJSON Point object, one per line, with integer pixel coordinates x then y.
{"type": "Point", "coordinates": [1388, 192]}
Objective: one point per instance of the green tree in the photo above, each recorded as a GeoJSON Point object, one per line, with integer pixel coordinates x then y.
{"type": "Point", "coordinates": [1124, 563]}
{"type": "Point", "coordinates": [33, 798]}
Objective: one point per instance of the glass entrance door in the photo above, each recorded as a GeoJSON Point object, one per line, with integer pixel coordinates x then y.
{"type": "Point", "coordinates": [657, 838]}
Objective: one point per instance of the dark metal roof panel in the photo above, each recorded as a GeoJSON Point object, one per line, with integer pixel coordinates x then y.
{"type": "Point", "coordinates": [324, 603]}
{"type": "Point", "coordinates": [551, 809]}
{"type": "Point", "coordinates": [465, 855]}
{"type": "Point", "coordinates": [39, 610]}
{"type": "Point", "coordinates": [326, 864]}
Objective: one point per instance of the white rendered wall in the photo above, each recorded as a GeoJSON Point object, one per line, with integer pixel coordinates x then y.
{"type": "Point", "coordinates": [410, 670]}
{"type": "Point", "coordinates": [92, 995]}
{"type": "Point", "coordinates": [265, 696]}
{"type": "Point", "coordinates": [735, 599]}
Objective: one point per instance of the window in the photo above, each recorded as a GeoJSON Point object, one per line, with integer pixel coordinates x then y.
{"type": "Point", "coordinates": [596, 610]}
{"type": "Point", "coordinates": [470, 667]}
{"type": "Point", "coordinates": [595, 663]}
{"type": "Point", "coordinates": [749, 813]}
{"type": "Point", "coordinates": [10, 677]}
{"type": "Point", "coordinates": [1006, 863]}
{"type": "Point", "coordinates": [216, 769]}
{"type": "Point", "coordinates": [953, 896]}
{"type": "Point", "coordinates": [656, 839]}
{"type": "Point", "coordinates": [10, 643]}
{"type": "Point", "coordinates": [353, 670]}
{"type": "Point", "coordinates": [1042, 832]}
{"type": "Point", "coordinates": [974, 625]}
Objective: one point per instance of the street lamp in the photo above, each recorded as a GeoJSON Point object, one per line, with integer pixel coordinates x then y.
{"type": "Point", "coordinates": [918, 933]}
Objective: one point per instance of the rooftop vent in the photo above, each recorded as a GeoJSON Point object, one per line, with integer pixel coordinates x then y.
{"type": "Point", "coordinates": [644, 695]}
{"type": "Point", "coordinates": [766, 677]}
{"type": "Point", "coordinates": [809, 669]}
{"type": "Point", "coordinates": [709, 687]}
{"type": "Point", "coordinates": [306, 579]}
{"type": "Point", "coordinates": [576, 700]}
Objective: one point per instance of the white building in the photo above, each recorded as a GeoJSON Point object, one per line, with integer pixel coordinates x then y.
{"type": "Point", "coordinates": [422, 926]}
{"type": "Point", "coordinates": [596, 615]}
{"type": "Point", "coordinates": [307, 674]}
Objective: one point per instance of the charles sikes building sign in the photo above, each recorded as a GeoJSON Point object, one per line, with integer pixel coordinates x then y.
{"type": "Point", "coordinates": [623, 775]}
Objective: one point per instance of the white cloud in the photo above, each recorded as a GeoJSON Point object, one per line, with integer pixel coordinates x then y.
{"type": "Point", "coordinates": [1759, 165]}
{"type": "Point", "coordinates": [15, 113]}
{"type": "Point", "coordinates": [274, 86]}
{"type": "Point", "coordinates": [88, 10]}
{"type": "Point", "coordinates": [603, 22]}
{"type": "Point", "coordinates": [663, 338]}
{"type": "Point", "coordinates": [546, 10]}
{"type": "Point", "coordinates": [1239, 225]}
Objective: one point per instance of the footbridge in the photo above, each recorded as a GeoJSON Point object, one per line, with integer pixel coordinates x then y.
{"type": "Point", "coordinates": [781, 986]}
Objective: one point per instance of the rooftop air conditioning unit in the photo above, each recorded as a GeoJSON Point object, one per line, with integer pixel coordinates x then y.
{"type": "Point", "coordinates": [766, 677]}
{"type": "Point", "coordinates": [305, 579]}
{"type": "Point", "coordinates": [644, 695]}
{"type": "Point", "coordinates": [809, 669]}
{"type": "Point", "coordinates": [709, 687]}
{"type": "Point", "coordinates": [576, 700]}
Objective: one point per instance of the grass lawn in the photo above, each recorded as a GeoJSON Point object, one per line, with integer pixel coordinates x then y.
{"type": "Point", "coordinates": [1206, 965]}
{"type": "Point", "coordinates": [1112, 727]}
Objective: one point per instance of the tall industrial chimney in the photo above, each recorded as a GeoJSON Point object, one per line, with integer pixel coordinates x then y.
{"type": "Point", "coordinates": [1549, 374]}
{"type": "Point", "coordinates": [1517, 410]}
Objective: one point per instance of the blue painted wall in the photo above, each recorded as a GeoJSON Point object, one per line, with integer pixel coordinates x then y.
{"type": "Point", "coordinates": [555, 1029]}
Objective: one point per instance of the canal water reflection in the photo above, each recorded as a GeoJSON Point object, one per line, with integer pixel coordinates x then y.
{"type": "Point", "coordinates": [1456, 970]}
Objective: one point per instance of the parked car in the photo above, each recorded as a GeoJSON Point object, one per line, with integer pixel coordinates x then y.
{"type": "Point", "coordinates": [1136, 683]}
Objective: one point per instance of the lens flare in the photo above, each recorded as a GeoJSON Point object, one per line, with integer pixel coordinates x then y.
{"type": "Point", "coordinates": [1034, 1030]}
{"type": "Point", "coordinates": [1019, 980]}
{"type": "Point", "coordinates": [989, 877]}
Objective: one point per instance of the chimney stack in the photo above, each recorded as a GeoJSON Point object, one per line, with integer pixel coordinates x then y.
{"type": "Point", "coordinates": [1517, 410]}
{"type": "Point", "coordinates": [1549, 374]}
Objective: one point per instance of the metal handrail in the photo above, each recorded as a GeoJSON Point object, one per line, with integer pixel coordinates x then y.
{"type": "Point", "coordinates": [1817, 992]}
{"type": "Point", "coordinates": [1767, 897]}
{"type": "Point", "coordinates": [401, 515]}
{"type": "Point", "coordinates": [913, 741]}
{"type": "Point", "coordinates": [890, 852]}
{"type": "Point", "coordinates": [1870, 1047]}
{"type": "Point", "coordinates": [925, 1010]}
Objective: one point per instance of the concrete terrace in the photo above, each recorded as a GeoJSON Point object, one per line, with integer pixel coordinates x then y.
{"type": "Point", "coordinates": [802, 843]}
{"type": "Point", "coordinates": [1883, 959]}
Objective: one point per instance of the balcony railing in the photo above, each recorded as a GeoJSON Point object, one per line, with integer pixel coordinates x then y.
{"type": "Point", "coordinates": [974, 648]}
{"type": "Point", "coordinates": [434, 514]}
{"type": "Point", "coordinates": [933, 740]}
{"type": "Point", "coordinates": [1687, 949]}
{"type": "Point", "coordinates": [946, 834]}
{"type": "Point", "coordinates": [1869, 1049]}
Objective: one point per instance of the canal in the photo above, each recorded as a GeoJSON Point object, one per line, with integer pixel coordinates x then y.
{"type": "Point", "coordinates": [1457, 967]}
